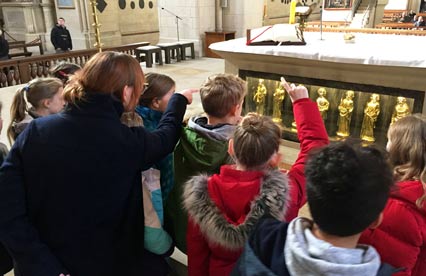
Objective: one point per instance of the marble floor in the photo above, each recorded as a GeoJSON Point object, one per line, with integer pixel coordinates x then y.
{"type": "Point", "coordinates": [187, 74]}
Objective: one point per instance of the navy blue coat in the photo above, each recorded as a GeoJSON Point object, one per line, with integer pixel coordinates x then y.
{"type": "Point", "coordinates": [70, 190]}
{"type": "Point", "coordinates": [263, 254]}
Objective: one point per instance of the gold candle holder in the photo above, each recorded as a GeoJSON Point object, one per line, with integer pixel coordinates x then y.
{"type": "Point", "coordinates": [96, 25]}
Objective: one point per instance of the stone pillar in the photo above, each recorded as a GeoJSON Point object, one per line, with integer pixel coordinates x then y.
{"type": "Point", "coordinates": [380, 8]}
{"type": "Point", "coordinates": [219, 16]}
{"type": "Point", "coordinates": [48, 11]}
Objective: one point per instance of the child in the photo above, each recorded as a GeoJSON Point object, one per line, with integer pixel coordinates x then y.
{"type": "Point", "coordinates": [157, 241]}
{"type": "Point", "coordinates": [203, 144]}
{"type": "Point", "coordinates": [401, 238]}
{"type": "Point", "coordinates": [63, 70]}
{"type": "Point", "coordinates": [223, 208]}
{"type": "Point", "coordinates": [45, 97]}
{"type": "Point", "coordinates": [347, 188]}
{"type": "Point", "coordinates": [152, 103]}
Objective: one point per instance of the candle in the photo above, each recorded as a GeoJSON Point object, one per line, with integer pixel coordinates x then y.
{"type": "Point", "coordinates": [292, 16]}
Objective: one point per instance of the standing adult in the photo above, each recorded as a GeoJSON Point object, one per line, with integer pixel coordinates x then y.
{"type": "Point", "coordinates": [70, 188]}
{"type": "Point", "coordinates": [60, 37]}
{"type": "Point", "coordinates": [4, 47]}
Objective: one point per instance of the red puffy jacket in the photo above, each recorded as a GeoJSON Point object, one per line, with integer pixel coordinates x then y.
{"type": "Point", "coordinates": [401, 237]}
{"type": "Point", "coordinates": [224, 207]}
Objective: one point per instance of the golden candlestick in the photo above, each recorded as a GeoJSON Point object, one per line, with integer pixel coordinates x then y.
{"type": "Point", "coordinates": [96, 25]}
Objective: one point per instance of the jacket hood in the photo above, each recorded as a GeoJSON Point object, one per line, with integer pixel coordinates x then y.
{"type": "Point", "coordinates": [216, 226]}
{"type": "Point", "coordinates": [307, 255]}
{"type": "Point", "coordinates": [201, 151]}
{"type": "Point", "coordinates": [410, 191]}
{"type": "Point", "coordinates": [222, 133]}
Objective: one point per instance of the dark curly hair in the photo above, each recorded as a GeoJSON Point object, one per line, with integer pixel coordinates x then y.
{"type": "Point", "coordinates": [347, 187]}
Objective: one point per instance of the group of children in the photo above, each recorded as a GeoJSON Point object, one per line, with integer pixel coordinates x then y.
{"type": "Point", "coordinates": [222, 199]}
{"type": "Point", "coordinates": [232, 211]}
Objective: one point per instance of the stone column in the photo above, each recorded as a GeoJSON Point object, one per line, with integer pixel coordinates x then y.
{"type": "Point", "coordinates": [219, 16]}
{"type": "Point", "coordinates": [48, 11]}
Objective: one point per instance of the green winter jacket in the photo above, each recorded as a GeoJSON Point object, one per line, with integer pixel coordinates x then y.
{"type": "Point", "coordinates": [201, 149]}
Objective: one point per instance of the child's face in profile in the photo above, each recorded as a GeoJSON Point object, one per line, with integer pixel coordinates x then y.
{"type": "Point", "coordinates": [57, 102]}
{"type": "Point", "coordinates": [164, 101]}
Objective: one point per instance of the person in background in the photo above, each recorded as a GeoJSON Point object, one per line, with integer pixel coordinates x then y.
{"type": "Point", "coordinates": [223, 208]}
{"type": "Point", "coordinates": [347, 188]}
{"type": "Point", "coordinates": [401, 238]}
{"type": "Point", "coordinates": [420, 22]}
{"type": "Point", "coordinates": [4, 47]}
{"type": "Point", "coordinates": [61, 37]}
{"type": "Point", "coordinates": [64, 70]}
{"type": "Point", "coordinates": [70, 189]}
{"type": "Point", "coordinates": [203, 145]}
{"type": "Point", "coordinates": [405, 18]}
{"type": "Point", "coordinates": [45, 97]}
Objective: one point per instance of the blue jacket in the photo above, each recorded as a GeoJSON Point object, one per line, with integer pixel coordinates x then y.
{"type": "Point", "coordinates": [70, 190]}
{"type": "Point", "coordinates": [264, 252]}
{"type": "Point", "coordinates": [151, 118]}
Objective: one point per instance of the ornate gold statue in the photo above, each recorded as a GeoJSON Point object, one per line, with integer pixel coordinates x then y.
{"type": "Point", "coordinates": [401, 109]}
{"type": "Point", "coordinates": [278, 102]}
{"type": "Point", "coordinates": [322, 102]}
{"type": "Point", "coordinates": [345, 107]}
{"type": "Point", "coordinates": [259, 97]}
{"type": "Point", "coordinates": [371, 113]}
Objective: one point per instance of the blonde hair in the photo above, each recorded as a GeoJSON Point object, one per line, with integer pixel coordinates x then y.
{"type": "Point", "coordinates": [106, 73]}
{"type": "Point", "coordinates": [256, 139]}
{"type": "Point", "coordinates": [220, 93]}
{"type": "Point", "coordinates": [407, 150]}
{"type": "Point", "coordinates": [34, 92]}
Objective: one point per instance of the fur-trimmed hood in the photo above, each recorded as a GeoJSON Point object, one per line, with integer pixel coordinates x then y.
{"type": "Point", "coordinates": [274, 196]}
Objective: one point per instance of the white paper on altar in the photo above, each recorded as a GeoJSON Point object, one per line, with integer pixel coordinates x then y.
{"type": "Point", "coordinates": [373, 49]}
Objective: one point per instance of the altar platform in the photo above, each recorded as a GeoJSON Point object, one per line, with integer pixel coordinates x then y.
{"type": "Point", "coordinates": [373, 49]}
{"type": "Point", "coordinates": [373, 59]}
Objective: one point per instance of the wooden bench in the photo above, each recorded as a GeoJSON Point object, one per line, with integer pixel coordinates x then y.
{"type": "Point", "coordinates": [21, 45]}
{"type": "Point", "coordinates": [327, 24]}
{"type": "Point", "coordinates": [392, 15]}
{"type": "Point", "coordinates": [396, 25]}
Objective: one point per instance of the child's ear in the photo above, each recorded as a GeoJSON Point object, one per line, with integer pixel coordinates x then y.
{"type": "Point", "coordinates": [231, 147]}
{"type": "Point", "coordinates": [275, 160]}
{"type": "Point", "coordinates": [233, 110]}
{"type": "Point", "coordinates": [46, 103]}
{"type": "Point", "coordinates": [155, 103]}
{"type": "Point", "coordinates": [377, 222]}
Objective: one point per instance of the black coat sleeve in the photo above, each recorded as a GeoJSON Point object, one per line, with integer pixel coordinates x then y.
{"type": "Point", "coordinates": [69, 40]}
{"type": "Point", "coordinates": [17, 233]}
{"type": "Point", "coordinates": [158, 144]}
{"type": "Point", "coordinates": [54, 38]}
{"type": "Point", "coordinates": [4, 47]}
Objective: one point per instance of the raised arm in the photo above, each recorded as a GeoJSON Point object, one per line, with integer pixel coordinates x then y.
{"type": "Point", "coordinates": [312, 134]}
{"type": "Point", "coordinates": [162, 141]}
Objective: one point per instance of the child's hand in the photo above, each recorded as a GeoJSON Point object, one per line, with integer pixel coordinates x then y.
{"type": "Point", "coordinates": [296, 93]}
{"type": "Point", "coordinates": [187, 93]}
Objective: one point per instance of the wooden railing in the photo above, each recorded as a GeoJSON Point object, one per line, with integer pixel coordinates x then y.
{"type": "Point", "coordinates": [22, 70]}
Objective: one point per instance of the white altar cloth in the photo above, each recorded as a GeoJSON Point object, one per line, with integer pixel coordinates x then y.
{"type": "Point", "coordinates": [373, 49]}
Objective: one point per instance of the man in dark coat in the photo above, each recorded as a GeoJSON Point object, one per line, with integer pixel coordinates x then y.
{"type": "Point", "coordinates": [60, 37]}
{"type": "Point", "coordinates": [4, 47]}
